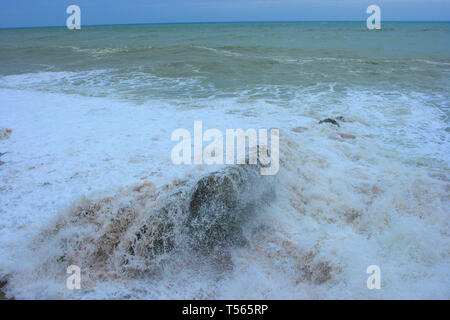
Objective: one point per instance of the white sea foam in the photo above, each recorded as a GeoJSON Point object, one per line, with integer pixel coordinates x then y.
{"type": "Point", "coordinates": [220, 51]}
{"type": "Point", "coordinates": [373, 191]}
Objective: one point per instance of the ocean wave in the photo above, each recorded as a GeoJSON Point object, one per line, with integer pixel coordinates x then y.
{"type": "Point", "coordinates": [100, 52]}
{"type": "Point", "coordinates": [220, 51]}
{"type": "Point", "coordinates": [346, 197]}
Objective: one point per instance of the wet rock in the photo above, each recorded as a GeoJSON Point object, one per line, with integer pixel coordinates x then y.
{"type": "Point", "coordinates": [222, 201]}
{"type": "Point", "coordinates": [329, 120]}
{"type": "Point", "coordinates": [140, 229]}
{"type": "Point", "coordinates": [206, 214]}
{"type": "Point", "coordinates": [155, 237]}
{"type": "Point", "coordinates": [335, 121]}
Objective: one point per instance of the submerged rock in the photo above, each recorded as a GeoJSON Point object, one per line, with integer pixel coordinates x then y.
{"type": "Point", "coordinates": [334, 121]}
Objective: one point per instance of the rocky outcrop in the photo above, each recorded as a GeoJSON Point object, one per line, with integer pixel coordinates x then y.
{"type": "Point", "coordinates": [138, 229]}
{"type": "Point", "coordinates": [222, 201]}
{"type": "Point", "coordinates": [205, 215]}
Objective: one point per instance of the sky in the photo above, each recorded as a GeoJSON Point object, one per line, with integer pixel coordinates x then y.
{"type": "Point", "coordinates": [35, 13]}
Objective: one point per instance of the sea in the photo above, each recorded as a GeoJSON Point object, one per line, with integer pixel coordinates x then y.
{"type": "Point", "coordinates": [87, 115]}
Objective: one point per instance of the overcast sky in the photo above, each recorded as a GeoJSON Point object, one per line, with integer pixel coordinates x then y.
{"type": "Point", "coordinates": [29, 13]}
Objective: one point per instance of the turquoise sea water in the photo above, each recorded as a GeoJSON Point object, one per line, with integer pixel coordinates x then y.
{"type": "Point", "coordinates": [253, 60]}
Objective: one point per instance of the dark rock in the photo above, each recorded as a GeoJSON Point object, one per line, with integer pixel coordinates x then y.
{"type": "Point", "coordinates": [222, 201]}
{"type": "Point", "coordinates": [328, 120]}
{"type": "Point", "coordinates": [206, 214]}
{"type": "Point", "coordinates": [3, 284]}
{"type": "Point", "coordinates": [143, 229]}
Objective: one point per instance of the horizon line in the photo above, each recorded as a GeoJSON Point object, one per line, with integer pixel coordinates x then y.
{"type": "Point", "coordinates": [224, 22]}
